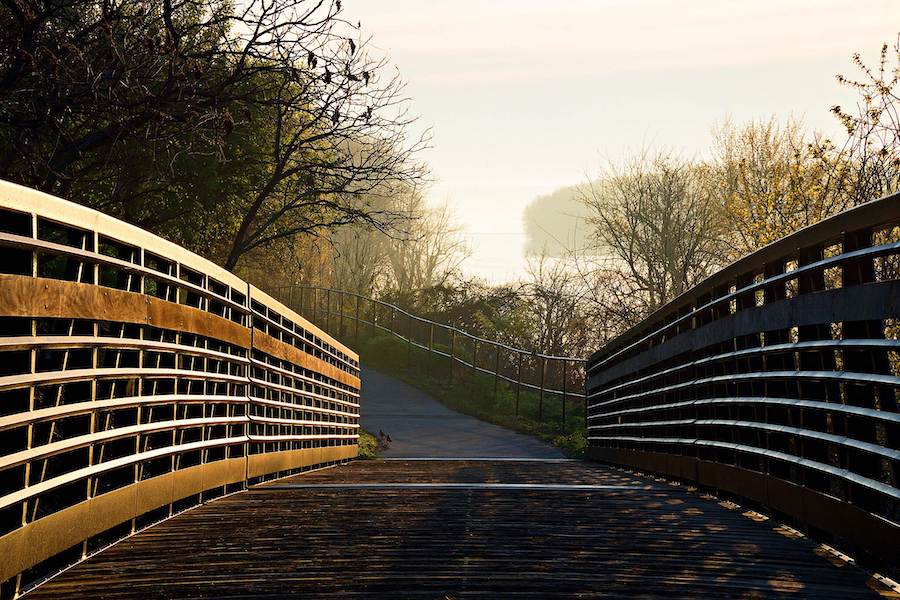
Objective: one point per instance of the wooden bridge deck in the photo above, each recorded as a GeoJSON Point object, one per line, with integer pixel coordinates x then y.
{"type": "Point", "coordinates": [466, 528]}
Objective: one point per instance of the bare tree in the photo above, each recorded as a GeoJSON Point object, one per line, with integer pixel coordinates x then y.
{"type": "Point", "coordinates": [338, 141]}
{"type": "Point", "coordinates": [431, 249]}
{"type": "Point", "coordinates": [360, 259]}
{"type": "Point", "coordinates": [657, 229]}
{"type": "Point", "coordinates": [868, 164]}
{"type": "Point", "coordinates": [555, 300]}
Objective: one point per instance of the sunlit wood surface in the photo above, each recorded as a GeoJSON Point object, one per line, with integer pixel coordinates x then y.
{"type": "Point", "coordinates": [584, 530]}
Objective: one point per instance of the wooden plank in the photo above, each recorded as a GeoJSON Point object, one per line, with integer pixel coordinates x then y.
{"type": "Point", "coordinates": [42, 297]}
{"type": "Point", "coordinates": [652, 542]}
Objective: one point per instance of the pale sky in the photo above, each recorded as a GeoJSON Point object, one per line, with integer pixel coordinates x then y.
{"type": "Point", "coordinates": [526, 96]}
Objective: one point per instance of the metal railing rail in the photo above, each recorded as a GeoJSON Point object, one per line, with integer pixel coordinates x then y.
{"type": "Point", "coordinates": [776, 379]}
{"type": "Point", "coordinates": [343, 312]}
{"type": "Point", "coordinates": [137, 380]}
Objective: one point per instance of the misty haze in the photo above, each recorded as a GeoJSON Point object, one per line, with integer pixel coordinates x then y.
{"type": "Point", "coordinates": [449, 299]}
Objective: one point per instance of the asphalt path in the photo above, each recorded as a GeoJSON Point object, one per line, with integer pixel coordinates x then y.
{"type": "Point", "coordinates": [420, 426]}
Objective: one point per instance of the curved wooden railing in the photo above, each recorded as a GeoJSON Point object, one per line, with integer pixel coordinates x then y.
{"type": "Point", "coordinates": [138, 379]}
{"type": "Point", "coordinates": [776, 379]}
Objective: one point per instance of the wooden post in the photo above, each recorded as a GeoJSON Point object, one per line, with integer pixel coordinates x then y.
{"type": "Point", "coordinates": [496, 368]}
{"type": "Point", "coordinates": [518, 381]}
{"type": "Point", "coordinates": [409, 326]}
{"type": "Point", "coordinates": [565, 364]}
{"type": "Point", "coordinates": [328, 311]}
{"type": "Point", "coordinates": [356, 326]}
{"type": "Point", "coordinates": [541, 397]}
{"type": "Point", "coordinates": [315, 307]}
{"type": "Point", "coordinates": [341, 315]}
{"type": "Point", "coordinates": [452, 347]}
{"type": "Point", "coordinates": [430, 343]}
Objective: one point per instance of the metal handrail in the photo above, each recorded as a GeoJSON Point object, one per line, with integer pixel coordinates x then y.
{"type": "Point", "coordinates": [364, 311]}
{"type": "Point", "coordinates": [425, 320]}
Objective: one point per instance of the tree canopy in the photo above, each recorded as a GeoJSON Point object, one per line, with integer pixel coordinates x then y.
{"type": "Point", "coordinates": [224, 126]}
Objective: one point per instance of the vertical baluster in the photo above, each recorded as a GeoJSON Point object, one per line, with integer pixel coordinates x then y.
{"type": "Point", "coordinates": [452, 353]}
{"type": "Point", "coordinates": [518, 380]}
{"type": "Point", "coordinates": [564, 398]}
{"type": "Point", "coordinates": [496, 368]}
{"type": "Point", "coordinates": [356, 321]}
{"type": "Point", "coordinates": [541, 398]}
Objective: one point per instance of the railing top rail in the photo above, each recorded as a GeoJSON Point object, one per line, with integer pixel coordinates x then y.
{"type": "Point", "coordinates": [52, 208]}
{"type": "Point", "coordinates": [882, 211]}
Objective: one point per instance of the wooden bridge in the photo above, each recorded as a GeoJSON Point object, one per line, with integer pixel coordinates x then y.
{"type": "Point", "coordinates": [170, 431]}
{"type": "Point", "coordinates": [454, 529]}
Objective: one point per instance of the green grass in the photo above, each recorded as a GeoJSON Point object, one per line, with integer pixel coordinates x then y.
{"type": "Point", "coordinates": [473, 393]}
{"type": "Point", "coordinates": [368, 445]}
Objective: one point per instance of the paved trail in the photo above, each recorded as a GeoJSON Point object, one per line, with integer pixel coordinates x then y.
{"type": "Point", "coordinates": [420, 426]}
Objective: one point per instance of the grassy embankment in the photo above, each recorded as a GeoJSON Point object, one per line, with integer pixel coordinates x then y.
{"type": "Point", "coordinates": [473, 393]}
{"type": "Point", "coordinates": [368, 445]}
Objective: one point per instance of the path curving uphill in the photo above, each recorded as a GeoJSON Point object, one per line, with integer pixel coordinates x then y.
{"type": "Point", "coordinates": [420, 426]}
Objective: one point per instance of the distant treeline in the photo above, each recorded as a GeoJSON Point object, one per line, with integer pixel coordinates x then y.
{"type": "Point", "coordinates": [556, 223]}
{"type": "Point", "coordinates": [287, 157]}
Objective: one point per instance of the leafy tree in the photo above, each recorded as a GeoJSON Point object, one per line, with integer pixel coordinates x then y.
{"type": "Point", "coordinates": [772, 181]}
{"type": "Point", "coordinates": [496, 312]}
{"type": "Point", "coordinates": [226, 126]}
